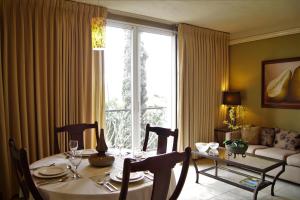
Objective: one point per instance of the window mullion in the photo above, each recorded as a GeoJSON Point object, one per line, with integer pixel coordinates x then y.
{"type": "Point", "coordinates": [135, 90]}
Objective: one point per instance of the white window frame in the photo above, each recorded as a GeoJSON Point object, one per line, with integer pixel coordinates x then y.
{"type": "Point", "coordinates": [135, 74]}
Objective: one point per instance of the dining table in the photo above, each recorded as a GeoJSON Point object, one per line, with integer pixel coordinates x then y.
{"type": "Point", "coordinates": [89, 186]}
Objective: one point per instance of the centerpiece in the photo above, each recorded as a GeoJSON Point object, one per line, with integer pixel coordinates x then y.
{"type": "Point", "coordinates": [101, 159]}
{"type": "Point", "coordinates": [235, 147]}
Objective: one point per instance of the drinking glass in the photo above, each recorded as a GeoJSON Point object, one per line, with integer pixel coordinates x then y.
{"type": "Point", "coordinates": [73, 145]}
{"type": "Point", "coordinates": [120, 145]}
{"type": "Point", "coordinates": [137, 153]}
{"type": "Point", "coordinates": [75, 160]}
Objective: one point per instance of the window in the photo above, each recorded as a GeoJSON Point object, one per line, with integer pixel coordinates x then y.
{"type": "Point", "coordinates": [140, 83]}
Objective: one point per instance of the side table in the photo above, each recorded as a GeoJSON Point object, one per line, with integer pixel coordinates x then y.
{"type": "Point", "coordinates": [219, 135]}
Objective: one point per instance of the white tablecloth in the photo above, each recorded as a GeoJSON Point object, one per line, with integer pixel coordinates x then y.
{"type": "Point", "coordinates": [86, 187]}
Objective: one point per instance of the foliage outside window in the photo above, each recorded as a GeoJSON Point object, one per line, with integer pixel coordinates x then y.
{"type": "Point", "coordinates": [119, 109]}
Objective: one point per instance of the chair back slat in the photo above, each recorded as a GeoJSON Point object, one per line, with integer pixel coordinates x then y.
{"type": "Point", "coordinates": [75, 132]}
{"type": "Point", "coordinates": [162, 173]}
{"type": "Point", "coordinates": [163, 134]}
{"type": "Point", "coordinates": [161, 184]}
{"type": "Point", "coordinates": [21, 168]}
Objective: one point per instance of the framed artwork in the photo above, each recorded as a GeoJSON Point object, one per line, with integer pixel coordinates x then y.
{"type": "Point", "coordinates": [281, 83]}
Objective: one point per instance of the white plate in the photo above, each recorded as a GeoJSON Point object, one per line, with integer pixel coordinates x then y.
{"type": "Point", "coordinates": [133, 175]}
{"type": "Point", "coordinates": [85, 152]}
{"type": "Point", "coordinates": [114, 177]}
{"type": "Point", "coordinates": [51, 171]}
{"type": "Point", "coordinates": [37, 174]}
{"type": "Point", "coordinates": [88, 152]}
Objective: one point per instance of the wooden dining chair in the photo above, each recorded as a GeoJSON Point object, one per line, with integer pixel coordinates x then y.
{"type": "Point", "coordinates": [75, 132]}
{"type": "Point", "coordinates": [21, 168]}
{"type": "Point", "coordinates": [163, 134]}
{"type": "Point", "coordinates": [162, 173]}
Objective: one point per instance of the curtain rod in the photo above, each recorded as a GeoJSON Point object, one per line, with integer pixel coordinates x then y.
{"type": "Point", "coordinates": [133, 20]}
{"type": "Point", "coordinates": [141, 21]}
{"type": "Point", "coordinates": [206, 28]}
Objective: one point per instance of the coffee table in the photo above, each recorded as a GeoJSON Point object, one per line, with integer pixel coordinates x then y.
{"type": "Point", "coordinates": [241, 166]}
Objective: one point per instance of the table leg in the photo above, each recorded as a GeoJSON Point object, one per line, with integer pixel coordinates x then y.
{"type": "Point", "coordinates": [275, 179]}
{"type": "Point", "coordinates": [258, 186]}
{"type": "Point", "coordinates": [196, 169]}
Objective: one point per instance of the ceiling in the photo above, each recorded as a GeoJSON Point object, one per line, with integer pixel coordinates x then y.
{"type": "Point", "coordinates": [241, 18]}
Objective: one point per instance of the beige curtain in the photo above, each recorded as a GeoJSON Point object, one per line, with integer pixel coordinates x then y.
{"type": "Point", "coordinates": [203, 75]}
{"type": "Point", "coordinates": [47, 76]}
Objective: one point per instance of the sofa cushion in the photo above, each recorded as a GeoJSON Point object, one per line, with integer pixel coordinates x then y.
{"type": "Point", "coordinates": [287, 140]}
{"type": "Point", "coordinates": [293, 160]}
{"type": "Point", "coordinates": [252, 148]}
{"type": "Point", "coordinates": [280, 139]}
{"type": "Point", "coordinates": [251, 135]}
{"type": "Point", "coordinates": [276, 153]}
{"type": "Point", "coordinates": [267, 136]}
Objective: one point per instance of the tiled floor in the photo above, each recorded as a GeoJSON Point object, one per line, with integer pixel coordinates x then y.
{"type": "Point", "coordinates": [211, 189]}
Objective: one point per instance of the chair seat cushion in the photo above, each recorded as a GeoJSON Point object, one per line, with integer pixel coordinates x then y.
{"type": "Point", "coordinates": [293, 160]}
{"type": "Point", "coordinates": [253, 148]}
{"type": "Point", "coordinates": [276, 153]}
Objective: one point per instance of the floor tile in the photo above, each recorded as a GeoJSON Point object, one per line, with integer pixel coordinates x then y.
{"type": "Point", "coordinates": [211, 189]}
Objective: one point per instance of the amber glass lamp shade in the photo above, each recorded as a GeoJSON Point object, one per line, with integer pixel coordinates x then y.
{"type": "Point", "coordinates": [231, 98]}
{"type": "Point", "coordinates": [98, 33]}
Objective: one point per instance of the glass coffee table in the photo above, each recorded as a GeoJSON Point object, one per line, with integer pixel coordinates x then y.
{"type": "Point", "coordinates": [240, 168]}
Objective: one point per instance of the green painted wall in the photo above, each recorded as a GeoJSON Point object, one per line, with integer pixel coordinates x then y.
{"type": "Point", "coordinates": [245, 76]}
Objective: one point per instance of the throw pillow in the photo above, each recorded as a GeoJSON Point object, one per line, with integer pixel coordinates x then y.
{"type": "Point", "coordinates": [287, 140]}
{"type": "Point", "coordinates": [267, 136]}
{"type": "Point", "coordinates": [251, 134]}
{"type": "Point", "coordinates": [280, 139]}
{"type": "Point", "coordinates": [293, 141]}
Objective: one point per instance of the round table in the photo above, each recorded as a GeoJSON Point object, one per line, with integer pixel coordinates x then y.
{"type": "Point", "coordinates": [86, 186]}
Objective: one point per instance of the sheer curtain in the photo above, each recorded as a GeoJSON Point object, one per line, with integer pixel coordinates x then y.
{"type": "Point", "coordinates": [47, 76]}
{"type": "Point", "coordinates": [203, 75]}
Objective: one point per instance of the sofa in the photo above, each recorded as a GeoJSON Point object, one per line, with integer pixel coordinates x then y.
{"type": "Point", "coordinates": [273, 143]}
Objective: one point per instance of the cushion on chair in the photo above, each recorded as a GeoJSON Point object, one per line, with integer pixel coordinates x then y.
{"type": "Point", "coordinates": [251, 135]}
{"type": "Point", "coordinates": [276, 153]}
{"type": "Point", "coordinates": [287, 140]}
{"type": "Point", "coordinates": [293, 160]}
{"type": "Point", "coordinates": [267, 136]}
{"type": "Point", "coordinates": [253, 148]}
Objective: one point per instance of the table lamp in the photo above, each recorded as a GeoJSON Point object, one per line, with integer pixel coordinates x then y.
{"type": "Point", "coordinates": [231, 98]}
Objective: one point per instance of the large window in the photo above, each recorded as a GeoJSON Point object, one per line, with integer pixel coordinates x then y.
{"type": "Point", "coordinates": [140, 83]}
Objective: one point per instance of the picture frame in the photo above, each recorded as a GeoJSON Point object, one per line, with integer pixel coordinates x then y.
{"type": "Point", "coordinates": [281, 83]}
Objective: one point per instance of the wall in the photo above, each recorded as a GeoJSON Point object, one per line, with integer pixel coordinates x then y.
{"type": "Point", "coordinates": [245, 76]}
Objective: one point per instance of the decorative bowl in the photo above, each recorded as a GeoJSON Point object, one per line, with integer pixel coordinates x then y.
{"type": "Point", "coordinates": [97, 160]}
{"type": "Point", "coordinates": [213, 145]}
{"type": "Point", "coordinates": [236, 147]}
{"type": "Point", "coordinates": [202, 147]}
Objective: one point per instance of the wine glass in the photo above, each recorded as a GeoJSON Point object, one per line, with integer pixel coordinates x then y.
{"type": "Point", "coordinates": [137, 153]}
{"type": "Point", "coordinates": [75, 160]}
{"type": "Point", "coordinates": [120, 144]}
{"type": "Point", "coordinates": [73, 145]}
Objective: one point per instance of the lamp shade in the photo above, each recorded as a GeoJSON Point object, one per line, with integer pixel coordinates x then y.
{"type": "Point", "coordinates": [98, 32]}
{"type": "Point", "coordinates": [231, 98]}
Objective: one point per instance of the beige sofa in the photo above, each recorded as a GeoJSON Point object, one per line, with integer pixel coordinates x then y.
{"type": "Point", "coordinates": [292, 157]}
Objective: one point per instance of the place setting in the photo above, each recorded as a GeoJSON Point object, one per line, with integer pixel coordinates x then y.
{"type": "Point", "coordinates": [51, 174]}
{"type": "Point", "coordinates": [112, 180]}
{"type": "Point", "coordinates": [57, 173]}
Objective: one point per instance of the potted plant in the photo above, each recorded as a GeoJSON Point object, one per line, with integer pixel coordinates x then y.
{"type": "Point", "coordinates": [235, 117]}
{"type": "Point", "coordinates": [236, 147]}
